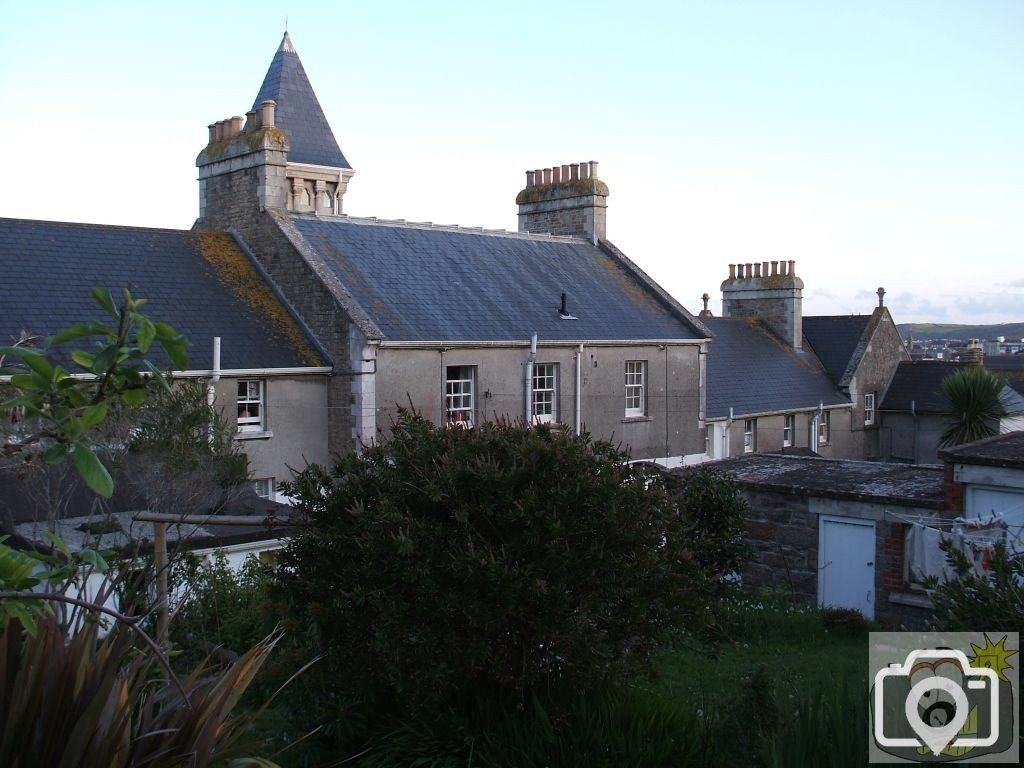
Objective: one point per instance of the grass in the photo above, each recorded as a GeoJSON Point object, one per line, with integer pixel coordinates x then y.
{"type": "Point", "coordinates": [792, 645]}
{"type": "Point", "coordinates": [779, 686]}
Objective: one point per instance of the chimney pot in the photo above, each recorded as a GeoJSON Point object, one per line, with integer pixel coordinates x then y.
{"type": "Point", "coordinates": [268, 112]}
{"type": "Point", "coordinates": [775, 268]}
{"type": "Point", "coordinates": [574, 171]}
{"type": "Point", "coordinates": [218, 130]}
{"type": "Point", "coordinates": [529, 178]}
{"type": "Point", "coordinates": [584, 171]}
{"type": "Point", "coordinates": [236, 125]}
{"type": "Point", "coordinates": [565, 173]}
{"type": "Point", "coordinates": [547, 176]}
{"type": "Point", "coordinates": [212, 127]}
{"type": "Point", "coordinates": [732, 271]}
{"type": "Point", "coordinates": [757, 269]}
{"type": "Point", "coordinates": [556, 175]}
{"type": "Point", "coordinates": [593, 169]}
{"type": "Point", "coordinates": [881, 296]}
{"type": "Point", "coordinates": [792, 268]}
{"type": "Point", "coordinates": [764, 268]}
{"type": "Point", "coordinates": [250, 121]}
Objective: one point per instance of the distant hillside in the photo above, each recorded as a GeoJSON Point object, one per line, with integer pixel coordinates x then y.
{"type": "Point", "coordinates": [923, 331]}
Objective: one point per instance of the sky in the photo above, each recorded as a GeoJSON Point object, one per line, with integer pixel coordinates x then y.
{"type": "Point", "coordinates": [874, 143]}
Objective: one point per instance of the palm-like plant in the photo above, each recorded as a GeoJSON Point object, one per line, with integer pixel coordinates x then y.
{"type": "Point", "coordinates": [976, 401]}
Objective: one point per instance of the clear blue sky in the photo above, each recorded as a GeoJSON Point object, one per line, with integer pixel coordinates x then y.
{"type": "Point", "coordinates": [876, 143]}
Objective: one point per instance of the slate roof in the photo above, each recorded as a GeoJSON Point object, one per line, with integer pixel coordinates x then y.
{"type": "Point", "coordinates": [298, 111]}
{"type": "Point", "coordinates": [998, 451]}
{"type": "Point", "coordinates": [752, 371]}
{"type": "Point", "coordinates": [869, 481]}
{"type": "Point", "coordinates": [834, 339]}
{"type": "Point", "coordinates": [200, 283]}
{"type": "Point", "coordinates": [919, 381]}
{"type": "Point", "coordinates": [424, 283]}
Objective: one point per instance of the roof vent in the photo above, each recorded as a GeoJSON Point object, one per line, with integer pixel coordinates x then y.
{"type": "Point", "coordinates": [563, 311]}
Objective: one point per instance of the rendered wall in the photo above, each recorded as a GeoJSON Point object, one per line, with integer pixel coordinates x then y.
{"type": "Point", "coordinates": [670, 428]}
{"type": "Point", "coordinates": [295, 409]}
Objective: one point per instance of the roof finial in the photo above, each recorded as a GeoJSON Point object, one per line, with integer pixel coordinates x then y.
{"type": "Point", "coordinates": [881, 297]}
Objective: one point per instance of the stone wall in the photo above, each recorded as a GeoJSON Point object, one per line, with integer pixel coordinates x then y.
{"type": "Point", "coordinates": [564, 200]}
{"type": "Point", "coordinates": [770, 291]}
{"type": "Point", "coordinates": [234, 192]}
{"type": "Point", "coordinates": [882, 353]}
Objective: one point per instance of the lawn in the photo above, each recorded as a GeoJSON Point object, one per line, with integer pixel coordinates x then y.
{"type": "Point", "coordinates": [779, 687]}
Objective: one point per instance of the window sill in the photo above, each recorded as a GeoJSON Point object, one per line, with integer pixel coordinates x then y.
{"type": "Point", "coordinates": [635, 419]}
{"type": "Point", "coordinates": [254, 435]}
{"type": "Point", "coordinates": [914, 600]}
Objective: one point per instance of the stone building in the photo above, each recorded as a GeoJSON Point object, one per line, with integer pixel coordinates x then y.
{"type": "Point", "coordinates": [779, 381]}
{"type": "Point", "coordinates": [552, 324]}
{"type": "Point", "coordinates": [266, 369]}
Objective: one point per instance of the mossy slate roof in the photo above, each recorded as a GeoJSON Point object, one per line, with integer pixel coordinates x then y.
{"type": "Point", "coordinates": [200, 283]}
{"type": "Point", "coordinates": [869, 481]}
{"type": "Point", "coordinates": [424, 283]}
{"type": "Point", "coordinates": [298, 111]}
{"type": "Point", "coordinates": [751, 370]}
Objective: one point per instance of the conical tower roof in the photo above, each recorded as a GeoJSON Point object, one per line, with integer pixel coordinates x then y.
{"type": "Point", "coordinates": [298, 111]}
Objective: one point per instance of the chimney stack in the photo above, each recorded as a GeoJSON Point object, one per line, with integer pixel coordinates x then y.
{"type": "Point", "coordinates": [564, 200]}
{"type": "Point", "coordinates": [773, 295]}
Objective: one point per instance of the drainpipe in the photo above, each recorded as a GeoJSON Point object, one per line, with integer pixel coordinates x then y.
{"type": "Point", "coordinates": [727, 437]}
{"type": "Point", "coordinates": [211, 389]}
{"type": "Point", "coordinates": [667, 453]}
{"type": "Point", "coordinates": [579, 388]}
{"type": "Point", "coordinates": [529, 377]}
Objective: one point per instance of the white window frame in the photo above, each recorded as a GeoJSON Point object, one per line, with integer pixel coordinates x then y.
{"type": "Point", "coordinates": [460, 395]}
{"type": "Point", "coordinates": [869, 409]}
{"type": "Point", "coordinates": [788, 429]}
{"type": "Point", "coordinates": [636, 388]}
{"type": "Point", "coordinates": [544, 393]}
{"type": "Point", "coordinates": [264, 487]}
{"type": "Point", "coordinates": [251, 398]}
{"type": "Point", "coordinates": [750, 435]}
{"type": "Point", "coordinates": [824, 427]}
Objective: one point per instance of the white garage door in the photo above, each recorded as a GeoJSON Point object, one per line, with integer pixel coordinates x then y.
{"type": "Point", "coordinates": [846, 564]}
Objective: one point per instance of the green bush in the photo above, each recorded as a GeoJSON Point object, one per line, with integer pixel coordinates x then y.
{"type": "Point", "coordinates": [714, 511]}
{"type": "Point", "coordinates": [219, 607]}
{"type": "Point", "coordinates": [503, 558]}
{"type": "Point", "coordinates": [969, 601]}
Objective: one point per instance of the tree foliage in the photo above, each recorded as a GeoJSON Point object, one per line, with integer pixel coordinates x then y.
{"type": "Point", "coordinates": [65, 409]}
{"type": "Point", "coordinates": [969, 600]}
{"type": "Point", "coordinates": [504, 557]}
{"type": "Point", "coordinates": [70, 694]}
{"type": "Point", "coordinates": [976, 401]}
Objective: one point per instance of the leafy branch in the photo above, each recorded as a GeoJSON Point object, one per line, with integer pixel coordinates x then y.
{"type": "Point", "coordinates": [66, 406]}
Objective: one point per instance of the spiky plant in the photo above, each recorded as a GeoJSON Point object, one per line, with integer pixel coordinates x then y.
{"type": "Point", "coordinates": [975, 404]}
{"type": "Point", "coordinates": [89, 699]}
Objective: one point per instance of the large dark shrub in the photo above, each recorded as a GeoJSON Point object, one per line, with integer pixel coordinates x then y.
{"type": "Point", "coordinates": [713, 510]}
{"type": "Point", "coordinates": [502, 558]}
